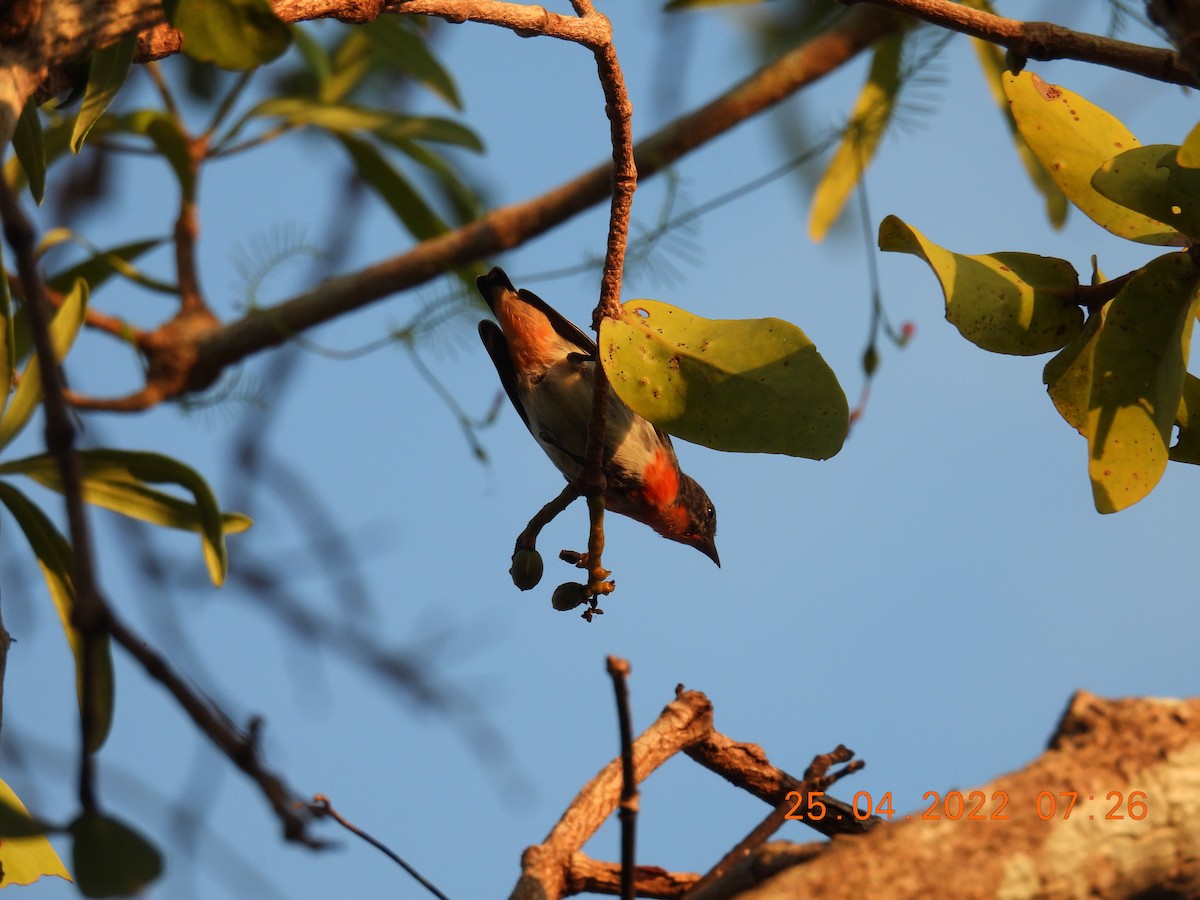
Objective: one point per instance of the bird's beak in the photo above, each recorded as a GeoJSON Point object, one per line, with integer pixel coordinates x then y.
{"type": "Point", "coordinates": [708, 547]}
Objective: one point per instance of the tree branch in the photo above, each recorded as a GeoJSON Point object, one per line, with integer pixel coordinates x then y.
{"type": "Point", "coordinates": [507, 227]}
{"type": "Point", "coordinates": [1045, 40]}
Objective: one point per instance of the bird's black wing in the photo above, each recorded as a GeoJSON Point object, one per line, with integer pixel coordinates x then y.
{"type": "Point", "coordinates": [497, 348]}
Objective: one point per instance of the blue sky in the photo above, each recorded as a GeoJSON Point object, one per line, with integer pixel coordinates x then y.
{"type": "Point", "coordinates": [930, 597]}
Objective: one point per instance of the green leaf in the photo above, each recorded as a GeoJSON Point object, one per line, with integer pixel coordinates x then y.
{"type": "Point", "coordinates": [991, 61]}
{"type": "Point", "coordinates": [54, 558]}
{"type": "Point", "coordinates": [403, 49]}
{"type": "Point", "coordinates": [395, 190]}
{"type": "Point", "coordinates": [1017, 303]}
{"type": "Point", "coordinates": [31, 150]}
{"type": "Point", "coordinates": [1149, 180]}
{"type": "Point", "coordinates": [746, 385]}
{"type": "Point", "coordinates": [103, 264]}
{"type": "Point", "coordinates": [107, 72]}
{"type": "Point", "coordinates": [1138, 368]}
{"type": "Point", "coordinates": [233, 34]}
{"type": "Point", "coordinates": [868, 121]}
{"type": "Point", "coordinates": [314, 55]}
{"type": "Point", "coordinates": [1072, 138]}
{"type": "Point", "coordinates": [119, 480]}
{"type": "Point", "coordinates": [466, 203]}
{"type": "Point", "coordinates": [111, 859]}
{"type": "Point", "coordinates": [63, 328]}
{"type": "Point", "coordinates": [25, 854]}
{"type": "Point", "coordinates": [8, 340]}
{"type": "Point", "coordinates": [169, 140]}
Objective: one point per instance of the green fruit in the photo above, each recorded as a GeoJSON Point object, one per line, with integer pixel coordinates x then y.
{"type": "Point", "coordinates": [569, 595]}
{"type": "Point", "coordinates": [526, 570]}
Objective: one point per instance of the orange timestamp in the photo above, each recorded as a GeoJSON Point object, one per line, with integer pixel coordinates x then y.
{"type": "Point", "coordinates": [975, 806]}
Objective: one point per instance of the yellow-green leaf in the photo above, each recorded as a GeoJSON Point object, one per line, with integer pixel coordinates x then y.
{"type": "Point", "coordinates": [1072, 138]}
{"type": "Point", "coordinates": [991, 61]}
{"type": "Point", "coordinates": [107, 71]}
{"type": "Point", "coordinates": [1187, 447]}
{"type": "Point", "coordinates": [1189, 152]}
{"type": "Point", "coordinates": [747, 385]}
{"type": "Point", "coordinates": [63, 328]}
{"type": "Point", "coordinates": [119, 480]}
{"type": "Point", "coordinates": [1150, 180]}
{"type": "Point", "coordinates": [868, 121]}
{"type": "Point", "coordinates": [25, 854]}
{"type": "Point", "coordinates": [54, 558]}
{"type": "Point", "coordinates": [1068, 375]}
{"type": "Point", "coordinates": [111, 859]}
{"type": "Point", "coordinates": [1138, 369]}
{"type": "Point", "coordinates": [1017, 303]}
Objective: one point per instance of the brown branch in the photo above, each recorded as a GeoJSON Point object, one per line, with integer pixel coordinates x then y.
{"type": "Point", "coordinates": [1103, 753]}
{"type": "Point", "coordinates": [747, 767]}
{"type": "Point", "coordinates": [545, 868]}
{"type": "Point", "coordinates": [1045, 40]}
{"type": "Point", "coordinates": [592, 876]}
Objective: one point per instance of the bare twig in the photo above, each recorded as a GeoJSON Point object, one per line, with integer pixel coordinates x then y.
{"type": "Point", "coordinates": [322, 807]}
{"type": "Point", "coordinates": [618, 670]}
{"type": "Point", "coordinates": [1045, 40]}
{"type": "Point", "coordinates": [92, 615]}
{"type": "Point", "coordinates": [89, 609]}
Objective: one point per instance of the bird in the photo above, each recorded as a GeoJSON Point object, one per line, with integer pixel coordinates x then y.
{"type": "Point", "coordinates": [546, 365]}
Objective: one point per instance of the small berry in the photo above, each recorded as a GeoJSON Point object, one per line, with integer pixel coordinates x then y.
{"type": "Point", "coordinates": [526, 570]}
{"type": "Point", "coordinates": [569, 595]}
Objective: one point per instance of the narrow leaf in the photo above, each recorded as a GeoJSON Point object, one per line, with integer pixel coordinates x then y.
{"type": "Point", "coordinates": [395, 190]}
{"type": "Point", "coordinates": [111, 859]}
{"type": "Point", "coordinates": [868, 121]}
{"type": "Point", "coordinates": [1137, 380]}
{"type": "Point", "coordinates": [1068, 375]}
{"type": "Point", "coordinates": [25, 854]}
{"type": "Point", "coordinates": [1150, 180]}
{"type": "Point", "coordinates": [1072, 138]}
{"type": "Point", "coordinates": [119, 480]}
{"type": "Point", "coordinates": [31, 150]}
{"type": "Point", "coordinates": [233, 34]}
{"type": "Point", "coordinates": [103, 264]}
{"type": "Point", "coordinates": [1017, 303]}
{"type": "Point", "coordinates": [106, 74]}
{"type": "Point", "coordinates": [8, 339]}
{"type": "Point", "coordinates": [746, 385]}
{"type": "Point", "coordinates": [63, 328]}
{"type": "Point", "coordinates": [402, 48]}
{"type": "Point", "coordinates": [54, 558]}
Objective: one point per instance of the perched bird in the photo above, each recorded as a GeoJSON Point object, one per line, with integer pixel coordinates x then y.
{"type": "Point", "coordinates": [546, 365]}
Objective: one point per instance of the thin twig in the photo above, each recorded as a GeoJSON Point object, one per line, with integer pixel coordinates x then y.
{"type": "Point", "coordinates": [618, 670]}
{"type": "Point", "coordinates": [1045, 40]}
{"type": "Point", "coordinates": [89, 609]}
{"type": "Point", "coordinates": [322, 807]}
